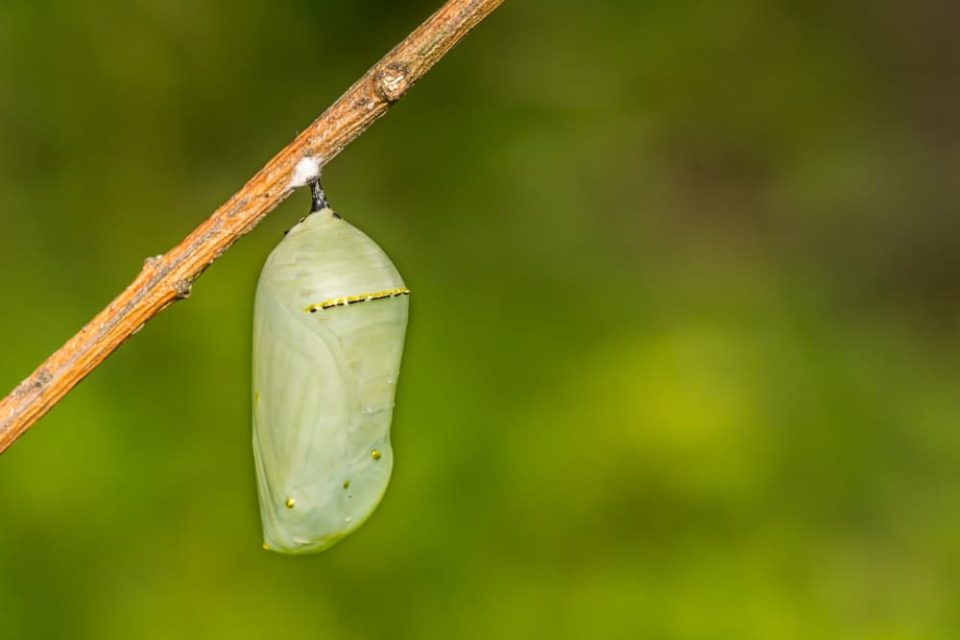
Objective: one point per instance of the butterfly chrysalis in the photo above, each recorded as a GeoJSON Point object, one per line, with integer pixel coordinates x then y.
{"type": "Point", "coordinates": [329, 323]}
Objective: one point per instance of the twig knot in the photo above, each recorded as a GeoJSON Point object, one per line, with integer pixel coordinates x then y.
{"type": "Point", "coordinates": [392, 81]}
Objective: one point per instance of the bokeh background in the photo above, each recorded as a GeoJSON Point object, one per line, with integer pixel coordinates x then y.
{"type": "Point", "coordinates": [683, 359]}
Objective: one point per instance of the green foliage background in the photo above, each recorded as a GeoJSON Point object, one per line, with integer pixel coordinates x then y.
{"type": "Point", "coordinates": [683, 358]}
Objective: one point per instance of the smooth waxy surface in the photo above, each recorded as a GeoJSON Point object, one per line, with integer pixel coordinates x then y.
{"type": "Point", "coordinates": [329, 325]}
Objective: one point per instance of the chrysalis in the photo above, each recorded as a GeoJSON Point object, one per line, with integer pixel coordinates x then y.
{"type": "Point", "coordinates": [329, 323]}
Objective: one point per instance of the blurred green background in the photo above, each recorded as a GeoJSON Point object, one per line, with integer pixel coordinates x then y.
{"type": "Point", "coordinates": [683, 357]}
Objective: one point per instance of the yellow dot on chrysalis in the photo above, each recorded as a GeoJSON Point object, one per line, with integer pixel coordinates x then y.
{"type": "Point", "coordinates": [289, 503]}
{"type": "Point", "coordinates": [266, 546]}
{"type": "Point", "coordinates": [375, 454]}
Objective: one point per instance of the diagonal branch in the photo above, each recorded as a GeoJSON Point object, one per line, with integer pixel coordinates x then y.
{"type": "Point", "coordinates": [168, 278]}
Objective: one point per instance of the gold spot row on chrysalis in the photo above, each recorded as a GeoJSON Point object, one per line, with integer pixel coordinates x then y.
{"type": "Point", "coordinates": [362, 297]}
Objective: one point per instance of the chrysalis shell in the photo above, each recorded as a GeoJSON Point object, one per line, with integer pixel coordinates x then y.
{"type": "Point", "coordinates": [329, 324]}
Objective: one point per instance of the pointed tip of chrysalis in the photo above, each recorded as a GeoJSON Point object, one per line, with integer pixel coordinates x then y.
{"type": "Point", "coordinates": [318, 199]}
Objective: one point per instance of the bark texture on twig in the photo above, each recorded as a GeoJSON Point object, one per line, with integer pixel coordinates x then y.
{"type": "Point", "coordinates": [168, 278]}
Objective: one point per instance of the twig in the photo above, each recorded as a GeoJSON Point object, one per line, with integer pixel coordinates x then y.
{"type": "Point", "coordinates": [168, 278]}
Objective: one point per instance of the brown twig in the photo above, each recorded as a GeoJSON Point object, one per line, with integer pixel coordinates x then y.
{"type": "Point", "coordinates": [168, 278]}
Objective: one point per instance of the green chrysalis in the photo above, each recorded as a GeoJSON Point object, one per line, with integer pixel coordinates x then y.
{"type": "Point", "coordinates": [329, 324]}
